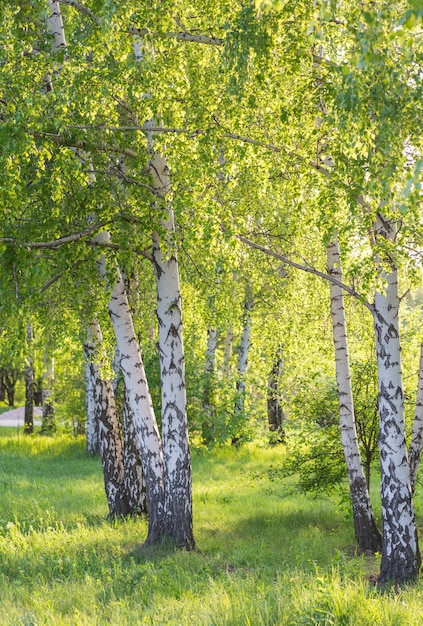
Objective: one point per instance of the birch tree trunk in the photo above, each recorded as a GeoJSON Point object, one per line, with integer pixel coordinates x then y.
{"type": "Point", "coordinates": [29, 384]}
{"type": "Point", "coordinates": [415, 448]}
{"type": "Point", "coordinates": [275, 416]}
{"type": "Point", "coordinates": [92, 440]}
{"type": "Point", "coordinates": [134, 480]}
{"type": "Point", "coordinates": [139, 400]}
{"type": "Point", "coordinates": [176, 452]}
{"type": "Point", "coordinates": [209, 408]}
{"type": "Point", "coordinates": [243, 351]}
{"type": "Point", "coordinates": [227, 350]}
{"type": "Point", "coordinates": [107, 428]}
{"type": "Point", "coordinates": [366, 532]}
{"type": "Point", "coordinates": [48, 414]}
{"type": "Point", "coordinates": [400, 551]}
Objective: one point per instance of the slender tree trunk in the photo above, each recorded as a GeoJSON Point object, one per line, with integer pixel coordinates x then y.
{"type": "Point", "coordinates": [400, 551]}
{"type": "Point", "coordinates": [92, 436]}
{"type": "Point", "coordinates": [176, 452]}
{"type": "Point", "coordinates": [415, 448]}
{"type": "Point", "coordinates": [243, 352]}
{"type": "Point", "coordinates": [209, 408]}
{"type": "Point", "coordinates": [275, 415]}
{"type": "Point", "coordinates": [48, 415]}
{"type": "Point", "coordinates": [134, 479]}
{"type": "Point", "coordinates": [139, 400]}
{"type": "Point", "coordinates": [227, 350]}
{"type": "Point", "coordinates": [108, 428]}
{"type": "Point", "coordinates": [29, 383]}
{"type": "Point", "coordinates": [366, 532]}
{"type": "Point", "coordinates": [135, 486]}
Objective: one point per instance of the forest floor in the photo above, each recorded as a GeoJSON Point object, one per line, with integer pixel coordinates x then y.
{"type": "Point", "coordinates": [15, 417]}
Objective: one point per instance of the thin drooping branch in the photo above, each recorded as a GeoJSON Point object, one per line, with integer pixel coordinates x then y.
{"type": "Point", "coordinates": [82, 9]}
{"type": "Point", "coordinates": [181, 36]}
{"type": "Point", "coordinates": [55, 243]}
{"type": "Point", "coordinates": [59, 275]}
{"type": "Point", "coordinates": [86, 145]}
{"type": "Point", "coordinates": [199, 131]}
{"type": "Point", "coordinates": [305, 268]}
{"type": "Point", "coordinates": [116, 246]}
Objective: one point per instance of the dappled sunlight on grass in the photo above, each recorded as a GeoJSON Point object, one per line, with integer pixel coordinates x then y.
{"type": "Point", "coordinates": [266, 555]}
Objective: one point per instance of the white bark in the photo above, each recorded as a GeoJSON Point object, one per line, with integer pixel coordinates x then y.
{"type": "Point", "coordinates": [400, 551]}
{"type": "Point", "coordinates": [209, 408]}
{"type": "Point", "coordinates": [243, 351]}
{"type": "Point", "coordinates": [210, 362]}
{"type": "Point", "coordinates": [106, 424]}
{"type": "Point", "coordinates": [134, 480]}
{"type": "Point", "coordinates": [48, 394]}
{"type": "Point", "coordinates": [139, 399]}
{"type": "Point", "coordinates": [55, 26]}
{"type": "Point", "coordinates": [92, 438]}
{"type": "Point", "coordinates": [415, 448]}
{"type": "Point", "coordinates": [176, 453]}
{"type": "Point", "coordinates": [366, 532]}
{"type": "Point", "coordinates": [227, 350]}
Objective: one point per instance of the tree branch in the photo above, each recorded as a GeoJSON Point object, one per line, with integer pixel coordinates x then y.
{"type": "Point", "coordinates": [59, 275]}
{"type": "Point", "coordinates": [86, 145]}
{"type": "Point", "coordinates": [82, 9]}
{"type": "Point", "coordinates": [305, 268]}
{"type": "Point", "coordinates": [116, 247]}
{"type": "Point", "coordinates": [56, 243]}
{"type": "Point", "coordinates": [184, 36]}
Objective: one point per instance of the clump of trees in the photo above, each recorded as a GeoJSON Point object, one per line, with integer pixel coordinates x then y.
{"type": "Point", "coordinates": [202, 162]}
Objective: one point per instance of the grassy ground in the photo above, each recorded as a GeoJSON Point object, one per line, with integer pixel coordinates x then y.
{"type": "Point", "coordinates": [265, 555]}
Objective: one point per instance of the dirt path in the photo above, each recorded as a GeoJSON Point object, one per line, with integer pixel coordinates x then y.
{"type": "Point", "coordinates": [15, 417]}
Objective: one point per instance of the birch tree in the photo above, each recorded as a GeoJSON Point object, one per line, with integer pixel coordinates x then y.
{"type": "Point", "coordinates": [176, 454]}
{"type": "Point", "coordinates": [366, 532]}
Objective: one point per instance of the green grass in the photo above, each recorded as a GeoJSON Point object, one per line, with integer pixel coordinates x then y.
{"type": "Point", "coordinates": [265, 555]}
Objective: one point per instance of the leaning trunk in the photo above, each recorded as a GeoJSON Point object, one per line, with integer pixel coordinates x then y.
{"type": "Point", "coordinates": [366, 532]}
{"type": "Point", "coordinates": [139, 400]}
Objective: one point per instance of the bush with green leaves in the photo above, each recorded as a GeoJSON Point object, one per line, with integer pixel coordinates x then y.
{"type": "Point", "coordinates": [315, 453]}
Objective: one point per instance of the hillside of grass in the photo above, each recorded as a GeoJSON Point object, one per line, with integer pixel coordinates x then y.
{"type": "Point", "coordinates": [266, 555]}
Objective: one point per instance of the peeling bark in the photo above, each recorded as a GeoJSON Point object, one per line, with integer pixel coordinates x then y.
{"type": "Point", "coordinates": [366, 532]}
